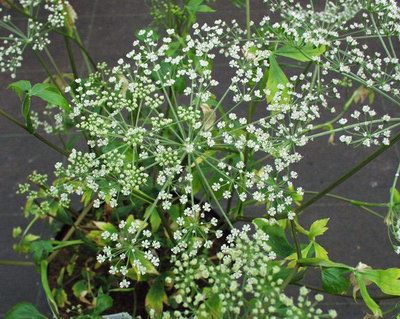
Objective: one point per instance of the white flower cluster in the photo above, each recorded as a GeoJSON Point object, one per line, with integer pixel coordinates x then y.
{"type": "Point", "coordinates": [138, 123]}
{"type": "Point", "coordinates": [358, 40]}
{"type": "Point", "coordinates": [365, 132]}
{"type": "Point", "coordinates": [244, 281]}
{"type": "Point", "coordinates": [129, 247]}
{"type": "Point", "coordinates": [35, 35]}
{"type": "Point", "coordinates": [396, 233]}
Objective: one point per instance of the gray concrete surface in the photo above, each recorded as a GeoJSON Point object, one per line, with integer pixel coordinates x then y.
{"type": "Point", "coordinates": [107, 28]}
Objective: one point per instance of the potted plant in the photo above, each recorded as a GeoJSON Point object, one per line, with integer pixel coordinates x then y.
{"type": "Point", "coordinates": [186, 186]}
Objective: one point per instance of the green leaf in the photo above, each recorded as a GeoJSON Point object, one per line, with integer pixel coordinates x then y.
{"type": "Point", "coordinates": [155, 220]}
{"type": "Point", "coordinates": [276, 79]}
{"type": "Point", "coordinates": [60, 297]}
{"type": "Point", "coordinates": [106, 227]}
{"type": "Point", "coordinates": [293, 257]}
{"type": "Point", "coordinates": [205, 9]}
{"type": "Point", "coordinates": [214, 306]}
{"type": "Point", "coordinates": [63, 216]}
{"type": "Point", "coordinates": [156, 297]}
{"type": "Point", "coordinates": [277, 237]}
{"type": "Point", "coordinates": [396, 195]}
{"type": "Point", "coordinates": [318, 228]}
{"type": "Point", "coordinates": [315, 262]}
{"type": "Point", "coordinates": [320, 252]}
{"type": "Point", "coordinates": [150, 269]}
{"type": "Point", "coordinates": [24, 310]}
{"type": "Point", "coordinates": [50, 94]}
{"type": "Point", "coordinates": [174, 212]}
{"type": "Point", "coordinates": [16, 232]}
{"type": "Point", "coordinates": [103, 302]}
{"type": "Point", "coordinates": [21, 87]}
{"type": "Point", "coordinates": [198, 6]}
{"type": "Point", "coordinates": [372, 305]}
{"type": "Point", "coordinates": [79, 288]}
{"type": "Point", "coordinates": [335, 280]}
{"type": "Point", "coordinates": [41, 250]}
{"type": "Point", "coordinates": [388, 280]}
{"type": "Point", "coordinates": [303, 54]}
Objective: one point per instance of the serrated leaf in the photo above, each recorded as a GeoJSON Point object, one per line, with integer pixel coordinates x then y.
{"type": "Point", "coordinates": [318, 228]}
{"type": "Point", "coordinates": [303, 54]}
{"type": "Point", "coordinates": [388, 280]}
{"type": "Point", "coordinates": [335, 280]}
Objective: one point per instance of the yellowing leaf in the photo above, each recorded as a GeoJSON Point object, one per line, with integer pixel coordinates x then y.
{"type": "Point", "coordinates": [156, 297]}
{"type": "Point", "coordinates": [209, 116]}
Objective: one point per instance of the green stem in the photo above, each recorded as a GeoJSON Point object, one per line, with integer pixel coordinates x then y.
{"type": "Point", "coordinates": [47, 70]}
{"type": "Point", "coordinates": [298, 253]}
{"type": "Point", "coordinates": [347, 175]}
{"type": "Point", "coordinates": [357, 203]}
{"type": "Point", "coordinates": [86, 56]}
{"type": "Point", "coordinates": [295, 239]}
{"type": "Point", "coordinates": [37, 135]}
{"type": "Point", "coordinates": [248, 19]}
{"type": "Point", "coordinates": [53, 63]}
{"type": "Point", "coordinates": [71, 57]}
{"type": "Point", "coordinates": [351, 201]}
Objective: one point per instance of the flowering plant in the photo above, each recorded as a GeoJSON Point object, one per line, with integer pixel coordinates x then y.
{"type": "Point", "coordinates": [174, 161]}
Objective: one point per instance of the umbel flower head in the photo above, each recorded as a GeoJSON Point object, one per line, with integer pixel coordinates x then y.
{"type": "Point", "coordinates": [36, 34]}
{"type": "Point", "coordinates": [141, 134]}
{"type": "Point", "coordinates": [245, 280]}
{"type": "Point", "coordinates": [129, 247]}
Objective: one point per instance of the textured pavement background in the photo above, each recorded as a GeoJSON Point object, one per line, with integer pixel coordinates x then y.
{"type": "Point", "coordinates": [107, 27]}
